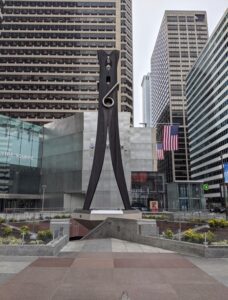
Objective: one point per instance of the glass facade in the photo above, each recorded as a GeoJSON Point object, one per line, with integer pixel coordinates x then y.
{"type": "Point", "coordinates": [207, 107]}
{"type": "Point", "coordinates": [146, 187]}
{"type": "Point", "coordinates": [20, 159]}
{"type": "Point", "coordinates": [185, 196]}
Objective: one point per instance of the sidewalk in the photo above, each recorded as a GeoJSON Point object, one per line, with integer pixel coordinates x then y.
{"type": "Point", "coordinates": [113, 269]}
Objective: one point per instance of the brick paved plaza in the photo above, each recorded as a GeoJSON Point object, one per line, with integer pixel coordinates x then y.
{"type": "Point", "coordinates": [111, 269]}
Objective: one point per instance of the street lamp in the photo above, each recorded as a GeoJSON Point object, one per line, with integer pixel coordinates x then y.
{"type": "Point", "coordinates": [44, 186]}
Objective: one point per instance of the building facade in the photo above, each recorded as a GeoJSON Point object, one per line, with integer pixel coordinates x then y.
{"type": "Point", "coordinates": [186, 196]}
{"type": "Point", "coordinates": [51, 165]}
{"type": "Point", "coordinates": [207, 101]}
{"type": "Point", "coordinates": [68, 152]}
{"type": "Point", "coordinates": [20, 162]}
{"type": "Point", "coordinates": [48, 56]}
{"type": "Point", "coordinates": [181, 38]}
{"type": "Point", "coordinates": [147, 113]}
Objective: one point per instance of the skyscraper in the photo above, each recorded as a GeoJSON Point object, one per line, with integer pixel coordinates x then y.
{"type": "Point", "coordinates": [181, 38]}
{"type": "Point", "coordinates": [48, 55]}
{"type": "Point", "coordinates": [208, 113]}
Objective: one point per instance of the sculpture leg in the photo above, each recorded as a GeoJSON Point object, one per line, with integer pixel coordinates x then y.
{"type": "Point", "coordinates": [98, 159]}
{"type": "Point", "coordinates": [117, 160]}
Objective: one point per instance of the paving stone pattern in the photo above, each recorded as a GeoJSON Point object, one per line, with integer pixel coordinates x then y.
{"type": "Point", "coordinates": [91, 270]}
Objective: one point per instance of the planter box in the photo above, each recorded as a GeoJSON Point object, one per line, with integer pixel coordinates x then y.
{"type": "Point", "coordinates": [51, 249]}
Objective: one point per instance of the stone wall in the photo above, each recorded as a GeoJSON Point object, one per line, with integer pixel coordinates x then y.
{"type": "Point", "coordinates": [128, 230]}
{"type": "Point", "coordinates": [50, 249]}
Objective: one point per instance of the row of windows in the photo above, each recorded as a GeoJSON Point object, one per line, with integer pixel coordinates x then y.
{"type": "Point", "coordinates": [50, 27]}
{"type": "Point", "coordinates": [210, 149]}
{"type": "Point", "coordinates": [210, 108]}
{"type": "Point", "coordinates": [46, 87]}
{"type": "Point", "coordinates": [185, 28]}
{"type": "Point", "coordinates": [206, 74]}
{"type": "Point", "coordinates": [48, 52]}
{"type": "Point", "coordinates": [216, 128]}
{"type": "Point", "coordinates": [67, 12]}
{"type": "Point", "coordinates": [40, 80]}
{"type": "Point", "coordinates": [197, 18]}
{"type": "Point", "coordinates": [204, 176]}
{"type": "Point", "coordinates": [72, 44]}
{"type": "Point", "coordinates": [56, 35]}
{"type": "Point", "coordinates": [39, 106]}
{"type": "Point", "coordinates": [207, 167]}
{"type": "Point", "coordinates": [209, 95]}
{"type": "Point", "coordinates": [58, 19]}
{"type": "Point", "coordinates": [59, 4]}
{"type": "Point", "coordinates": [49, 96]}
{"type": "Point", "coordinates": [47, 60]}
{"type": "Point", "coordinates": [44, 115]}
{"type": "Point", "coordinates": [209, 48]}
{"type": "Point", "coordinates": [210, 125]}
{"type": "Point", "coordinates": [183, 54]}
{"type": "Point", "coordinates": [212, 140]}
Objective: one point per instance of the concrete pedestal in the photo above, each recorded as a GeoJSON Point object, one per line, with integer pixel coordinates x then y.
{"type": "Point", "coordinates": [101, 215]}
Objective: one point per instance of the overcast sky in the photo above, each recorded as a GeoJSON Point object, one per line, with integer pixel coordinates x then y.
{"type": "Point", "coordinates": [147, 17]}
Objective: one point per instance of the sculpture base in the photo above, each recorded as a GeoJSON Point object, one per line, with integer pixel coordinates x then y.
{"type": "Point", "coordinates": [101, 215]}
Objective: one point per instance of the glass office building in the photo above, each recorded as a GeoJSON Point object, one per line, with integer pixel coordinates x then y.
{"type": "Point", "coordinates": [20, 159]}
{"type": "Point", "coordinates": [207, 102]}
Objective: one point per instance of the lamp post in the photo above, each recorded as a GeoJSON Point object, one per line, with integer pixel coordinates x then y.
{"type": "Point", "coordinates": [44, 186]}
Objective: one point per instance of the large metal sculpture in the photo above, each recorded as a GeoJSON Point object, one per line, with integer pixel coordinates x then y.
{"type": "Point", "coordinates": [107, 123]}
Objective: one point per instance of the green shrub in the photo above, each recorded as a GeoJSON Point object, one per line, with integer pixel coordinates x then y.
{"type": "Point", "coordinates": [14, 241]}
{"type": "Point", "coordinates": [7, 231]}
{"type": "Point", "coordinates": [24, 230]}
{"type": "Point", "coordinates": [10, 241]}
{"type": "Point", "coordinates": [221, 243]}
{"type": "Point", "coordinates": [168, 234]}
{"type": "Point", "coordinates": [210, 236]}
{"type": "Point", "coordinates": [2, 220]}
{"type": "Point", "coordinates": [57, 217]}
{"type": "Point", "coordinates": [199, 238]}
{"type": "Point", "coordinates": [36, 242]}
{"type": "Point", "coordinates": [44, 235]}
{"type": "Point", "coordinates": [218, 223]}
{"type": "Point", "coordinates": [65, 216]}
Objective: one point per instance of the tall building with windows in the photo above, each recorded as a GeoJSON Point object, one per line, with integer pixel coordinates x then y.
{"type": "Point", "coordinates": [48, 55]}
{"type": "Point", "coordinates": [181, 38]}
{"type": "Point", "coordinates": [207, 101]}
{"type": "Point", "coordinates": [146, 83]}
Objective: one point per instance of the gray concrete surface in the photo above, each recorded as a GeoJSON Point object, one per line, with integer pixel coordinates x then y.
{"type": "Point", "coordinates": [109, 245]}
{"type": "Point", "coordinates": [215, 267]}
{"type": "Point", "coordinates": [11, 265]}
{"type": "Point", "coordinates": [83, 267]}
{"type": "Point", "coordinates": [128, 230]}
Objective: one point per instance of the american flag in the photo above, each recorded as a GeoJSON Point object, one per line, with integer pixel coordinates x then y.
{"type": "Point", "coordinates": [170, 137]}
{"type": "Point", "coordinates": [160, 152]}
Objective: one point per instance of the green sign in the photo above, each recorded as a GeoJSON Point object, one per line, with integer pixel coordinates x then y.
{"type": "Point", "coordinates": [205, 186]}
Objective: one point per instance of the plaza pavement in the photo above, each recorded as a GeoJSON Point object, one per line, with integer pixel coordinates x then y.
{"type": "Point", "coordinates": [113, 269]}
